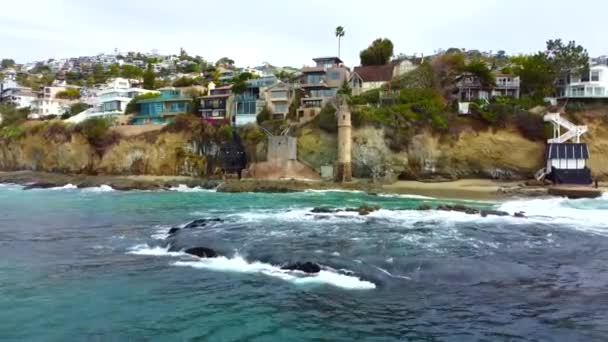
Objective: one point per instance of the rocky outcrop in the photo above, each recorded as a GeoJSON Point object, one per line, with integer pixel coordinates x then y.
{"type": "Point", "coordinates": [202, 252]}
{"type": "Point", "coordinates": [306, 267]}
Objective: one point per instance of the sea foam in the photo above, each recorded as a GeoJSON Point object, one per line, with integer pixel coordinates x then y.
{"type": "Point", "coordinates": [185, 188]}
{"type": "Point", "coordinates": [145, 249]}
{"type": "Point", "coordinates": [239, 265]}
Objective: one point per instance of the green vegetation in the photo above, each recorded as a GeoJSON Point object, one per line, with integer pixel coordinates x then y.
{"type": "Point", "coordinates": [76, 108]}
{"type": "Point", "coordinates": [240, 83]}
{"type": "Point", "coordinates": [294, 105]}
{"type": "Point", "coordinates": [224, 61]}
{"type": "Point", "coordinates": [7, 63]}
{"type": "Point", "coordinates": [264, 115]}
{"type": "Point", "coordinates": [11, 132]}
{"type": "Point", "coordinates": [69, 94]}
{"type": "Point", "coordinates": [98, 133]}
{"type": "Point", "coordinates": [379, 53]}
{"type": "Point", "coordinates": [327, 119]}
{"type": "Point", "coordinates": [11, 115]}
{"type": "Point", "coordinates": [188, 81]}
{"type": "Point", "coordinates": [149, 78]}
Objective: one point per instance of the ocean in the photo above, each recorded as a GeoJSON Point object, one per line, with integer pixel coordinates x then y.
{"type": "Point", "coordinates": [99, 265]}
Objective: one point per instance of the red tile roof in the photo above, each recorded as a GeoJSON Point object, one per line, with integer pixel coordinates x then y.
{"type": "Point", "coordinates": [376, 73]}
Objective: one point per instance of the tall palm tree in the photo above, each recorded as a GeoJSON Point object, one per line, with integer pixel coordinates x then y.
{"type": "Point", "coordinates": [339, 33]}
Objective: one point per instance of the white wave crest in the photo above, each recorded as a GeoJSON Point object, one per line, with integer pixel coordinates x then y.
{"type": "Point", "coordinates": [333, 190]}
{"type": "Point", "coordinates": [65, 187]}
{"type": "Point", "coordinates": [101, 188]}
{"type": "Point", "coordinates": [145, 249]}
{"type": "Point", "coordinates": [185, 188]}
{"type": "Point", "coordinates": [582, 214]}
{"type": "Point", "coordinates": [240, 265]}
{"type": "Point", "coordinates": [406, 196]}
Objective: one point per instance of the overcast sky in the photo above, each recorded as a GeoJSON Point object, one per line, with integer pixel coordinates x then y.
{"type": "Point", "coordinates": [290, 32]}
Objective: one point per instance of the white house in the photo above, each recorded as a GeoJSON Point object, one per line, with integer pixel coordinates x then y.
{"type": "Point", "coordinates": [21, 97]}
{"type": "Point", "coordinates": [112, 100]}
{"type": "Point", "coordinates": [591, 85]}
{"type": "Point", "coordinates": [48, 104]}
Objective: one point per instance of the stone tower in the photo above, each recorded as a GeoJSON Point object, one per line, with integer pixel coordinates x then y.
{"type": "Point", "coordinates": [344, 171]}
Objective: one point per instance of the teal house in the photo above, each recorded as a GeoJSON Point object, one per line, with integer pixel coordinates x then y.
{"type": "Point", "coordinates": [162, 109]}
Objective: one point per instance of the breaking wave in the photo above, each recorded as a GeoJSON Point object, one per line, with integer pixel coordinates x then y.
{"type": "Point", "coordinates": [239, 265]}
{"type": "Point", "coordinates": [185, 188]}
{"type": "Point", "coordinates": [145, 249]}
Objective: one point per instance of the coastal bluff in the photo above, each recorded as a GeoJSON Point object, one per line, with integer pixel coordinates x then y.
{"type": "Point", "coordinates": [501, 154]}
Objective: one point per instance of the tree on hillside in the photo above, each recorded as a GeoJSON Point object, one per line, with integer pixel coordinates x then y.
{"type": "Point", "coordinates": [113, 71]}
{"type": "Point", "coordinates": [339, 34]}
{"type": "Point", "coordinates": [379, 53]}
{"type": "Point", "coordinates": [482, 72]}
{"type": "Point", "coordinates": [74, 109]}
{"type": "Point", "coordinates": [7, 63]}
{"type": "Point", "coordinates": [537, 74]}
{"type": "Point", "coordinates": [69, 94]}
{"type": "Point", "coordinates": [149, 77]}
{"type": "Point", "coordinates": [566, 58]}
{"type": "Point", "coordinates": [240, 83]}
{"type": "Point", "coordinates": [225, 61]}
{"type": "Point", "coordinates": [131, 71]}
{"type": "Point", "coordinates": [11, 115]}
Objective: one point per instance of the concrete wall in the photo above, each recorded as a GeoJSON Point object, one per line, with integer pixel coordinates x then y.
{"type": "Point", "coordinates": [282, 148]}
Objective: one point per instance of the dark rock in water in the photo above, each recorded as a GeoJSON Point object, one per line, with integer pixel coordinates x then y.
{"type": "Point", "coordinates": [173, 230]}
{"type": "Point", "coordinates": [202, 252]}
{"type": "Point", "coordinates": [425, 207]}
{"type": "Point", "coordinates": [365, 210]}
{"type": "Point", "coordinates": [459, 208]}
{"type": "Point", "coordinates": [486, 213]}
{"type": "Point", "coordinates": [520, 214]}
{"type": "Point", "coordinates": [306, 267]}
{"type": "Point", "coordinates": [40, 185]}
{"type": "Point", "coordinates": [323, 210]}
{"type": "Point", "coordinates": [201, 223]}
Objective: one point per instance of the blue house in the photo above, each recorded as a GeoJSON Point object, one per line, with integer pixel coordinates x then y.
{"type": "Point", "coordinates": [162, 109]}
{"type": "Point", "coordinates": [251, 102]}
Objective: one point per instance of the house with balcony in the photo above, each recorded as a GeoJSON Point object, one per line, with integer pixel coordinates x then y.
{"type": "Point", "coordinates": [320, 84]}
{"type": "Point", "coordinates": [589, 85]}
{"type": "Point", "coordinates": [162, 109]}
{"type": "Point", "coordinates": [218, 105]}
{"type": "Point", "coordinates": [21, 97]}
{"type": "Point", "coordinates": [279, 98]}
{"type": "Point", "coordinates": [252, 101]}
{"type": "Point", "coordinates": [470, 88]}
{"type": "Point", "coordinates": [48, 104]}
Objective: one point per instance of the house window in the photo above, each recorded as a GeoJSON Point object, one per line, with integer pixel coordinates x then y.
{"type": "Point", "coordinates": [157, 108]}
{"type": "Point", "coordinates": [177, 107]}
{"type": "Point", "coordinates": [279, 94]}
{"type": "Point", "coordinates": [595, 76]}
{"type": "Point", "coordinates": [280, 107]}
{"type": "Point", "coordinates": [599, 91]}
{"type": "Point", "coordinates": [334, 75]}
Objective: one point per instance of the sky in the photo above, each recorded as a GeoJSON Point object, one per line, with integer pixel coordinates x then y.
{"type": "Point", "coordinates": [292, 32]}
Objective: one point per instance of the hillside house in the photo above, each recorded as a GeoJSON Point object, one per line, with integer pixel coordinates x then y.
{"type": "Point", "coordinates": [217, 106]}
{"type": "Point", "coordinates": [162, 109]}
{"type": "Point", "coordinates": [590, 85]}
{"type": "Point", "coordinates": [320, 84]}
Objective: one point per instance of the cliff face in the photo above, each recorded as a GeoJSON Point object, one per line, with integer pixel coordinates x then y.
{"type": "Point", "coordinates": [165, 154]}
{"type": "Point", "coordinates": [502, 154]}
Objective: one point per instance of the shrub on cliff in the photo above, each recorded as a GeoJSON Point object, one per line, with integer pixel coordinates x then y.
{"type": "Point", "coordinates": [327, 120]}
{"type": "Point", "coordinates": [8, 133]}
{"type": "Point", "coordinates": [57, 132]}
{"type": "Point", "coordinates": [182, 123]}
{"type": "Point", "coordinates": [11, 115]}
{"type": "Point", "coordinates": [98, 133]}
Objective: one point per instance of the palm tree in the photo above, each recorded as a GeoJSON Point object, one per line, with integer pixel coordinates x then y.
{"type": "Point", "coordinates": [339, 33]}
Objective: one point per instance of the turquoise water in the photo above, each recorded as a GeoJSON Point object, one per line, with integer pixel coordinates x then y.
{"type": "Point", "coordinates": [81, 265]}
